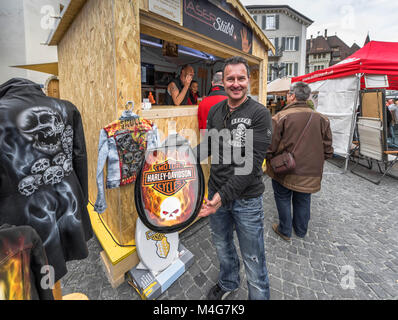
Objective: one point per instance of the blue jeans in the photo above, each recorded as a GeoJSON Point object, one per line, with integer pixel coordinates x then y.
{"type": "Point", "coordinates": [246, 215]}
{"type": "Point", "coordinates": [301, 210]}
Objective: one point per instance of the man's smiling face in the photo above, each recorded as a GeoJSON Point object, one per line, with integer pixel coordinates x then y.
{"type": "Point", "coordinates": [236, 83]}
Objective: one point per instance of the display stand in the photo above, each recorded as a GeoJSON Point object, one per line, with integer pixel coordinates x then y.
{"type": "Point", "coordinates": [163, 261]}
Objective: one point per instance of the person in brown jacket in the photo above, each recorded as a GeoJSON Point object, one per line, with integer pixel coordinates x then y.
{"type": "Point", "coordinates": [314, 148]}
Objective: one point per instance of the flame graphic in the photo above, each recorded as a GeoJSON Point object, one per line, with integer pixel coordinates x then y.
{"type": "Point", "coordinates": [152, 199]}
{"type": "Point", "coordinates": [15, 273]}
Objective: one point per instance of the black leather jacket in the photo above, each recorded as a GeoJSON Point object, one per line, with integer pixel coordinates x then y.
{"type": "Point", "coordinates": [43, 157]}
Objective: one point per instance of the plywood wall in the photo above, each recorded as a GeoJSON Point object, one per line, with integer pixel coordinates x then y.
{"type": "Point", "coordinates": [99, 71]}
{"type": "Point", "coordinates": [259, 50]}
{"type": "Point", "coordinates": [128, 88]}
{"type": "Point", "coordinates": [372, 105]}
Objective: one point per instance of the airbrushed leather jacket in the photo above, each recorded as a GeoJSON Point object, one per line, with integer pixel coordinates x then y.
{"type": "Point", "coordinates": [23, 265]}
{"type": "Point", "coordinates": [123, 143]}
{"type": "Point", "coordinates": [43, 157]}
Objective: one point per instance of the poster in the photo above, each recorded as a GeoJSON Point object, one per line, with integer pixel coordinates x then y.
{"type": "Point", "coordinates": [207, 19]}
{"type": "Point", "coordinates": [170, 9]}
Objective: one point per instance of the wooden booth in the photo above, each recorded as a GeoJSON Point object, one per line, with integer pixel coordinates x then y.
{"type": "Point", "coordinates": [105, 46]}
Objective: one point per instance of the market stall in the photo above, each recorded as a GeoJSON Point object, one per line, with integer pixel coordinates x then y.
{"type": "Point", "coordinates": [342, 88]}
{"type": "Point", "coordinates": [110, 53]}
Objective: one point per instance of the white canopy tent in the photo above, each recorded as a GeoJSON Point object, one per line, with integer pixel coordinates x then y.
{"type": "Point", "coordinates": [279, 86]}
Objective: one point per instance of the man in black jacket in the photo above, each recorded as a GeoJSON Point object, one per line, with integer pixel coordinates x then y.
{"type": "Point", "coordinates": [239, 133]}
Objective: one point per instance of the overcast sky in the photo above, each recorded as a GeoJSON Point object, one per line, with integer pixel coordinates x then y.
{"type": "Point", "coordinates": [351, 19]}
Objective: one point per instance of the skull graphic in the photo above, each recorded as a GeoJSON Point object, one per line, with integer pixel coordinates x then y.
{"type": "Point", "coordinates": [125, 171]}
{"type": "Point", "coordinates": [67, 141]}
{"type": "Point", "coordinates": [128, 157]}
{"type": "Point", "coordinates": [43, 127]}
{"type": "Point", "coordinates": [67, 166]}
{"type": "Point", "coordinates": [170, 209]}
{"type": "Point", "coordinates": [59, 159]}
{"type": "Point", "coordinates": [27, 186]}
{"type": "Point", "coordinates": [125, 141]}
{"type": "Point", "coordinates": [239, 135]}
{"type": "Point", "coordinates": [138, 156]}
{"type": "Point", "coordinates": [40, 165]}
{"type": "Point", "coordinates": [53, 175]}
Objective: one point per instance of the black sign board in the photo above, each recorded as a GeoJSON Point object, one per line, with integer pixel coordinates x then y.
{"type": "Point", "coordinates": [205, 18]}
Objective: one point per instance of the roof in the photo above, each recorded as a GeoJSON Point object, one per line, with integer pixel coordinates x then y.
{"type": "Point", "coordinates": [325, 45]}
{"type": "Point", "coordinates": [74, 7]}
{"type": "Point", "coordinates": [376, 57]}
{"type": "Point", "coordinates": [68, 15]}
{"type": "Point", "coordinates": [319, 45]}
{"type": "Point", "coordinates": [281, 7]}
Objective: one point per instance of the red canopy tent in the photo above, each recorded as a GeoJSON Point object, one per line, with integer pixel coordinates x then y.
{"type": "Point", "coordinates": [375, 57]}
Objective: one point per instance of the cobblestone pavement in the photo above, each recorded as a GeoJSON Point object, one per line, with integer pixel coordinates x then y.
{"type": "Point", "coordinates": [350, 251]}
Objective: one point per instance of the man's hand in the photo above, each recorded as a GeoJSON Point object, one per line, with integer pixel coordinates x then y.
{"type": "Point", "coordinates": [210, 206]}
{"type": "Point", "coordinates": [245, 42]}
{"type": "Point", "coordinates": [188, 80]}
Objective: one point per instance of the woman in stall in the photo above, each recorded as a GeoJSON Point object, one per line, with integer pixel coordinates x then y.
{"type": "Point", "coordinates": [193, 93]}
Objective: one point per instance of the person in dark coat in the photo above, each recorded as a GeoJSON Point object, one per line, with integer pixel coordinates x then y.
{"type": "Point", "coordinates": [295, 188]}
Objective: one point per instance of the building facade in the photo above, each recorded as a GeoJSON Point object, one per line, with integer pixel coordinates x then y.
{"type": "Point", "coordinates": [24, 28]}
{"type": "Point", "coordinates": [325, 51]}
{"type": "Point", "coordinates": [287, 30]}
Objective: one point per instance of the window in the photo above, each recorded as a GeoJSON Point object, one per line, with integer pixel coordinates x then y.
{"type": "Point", "coordinates": [271, 73]}
{"type": "Point", "coordinates": [289, 69]}
{"type": "Point", "coordinates": [255, 18]}
{"type": "Point", "coordinates": [290, 44]}
{"type": "Point", "coordinates": [270, 22]}
{"type": "Point", "coordinates": [320, 67]}
{"type": "Point", "coordinates": [272, 40]}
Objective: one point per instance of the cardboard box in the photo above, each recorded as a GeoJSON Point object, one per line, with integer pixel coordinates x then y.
{"type": "Point", "coordinates": [150, 286]}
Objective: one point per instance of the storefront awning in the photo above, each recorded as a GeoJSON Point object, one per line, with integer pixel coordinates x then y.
{"type": "Point", "coordinates": [51, 68]}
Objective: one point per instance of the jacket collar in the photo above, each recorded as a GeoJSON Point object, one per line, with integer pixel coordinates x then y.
{"type": "Point", "coordinates": [297, 104]}
{"type": "Point", "coordinates": [17, 86]}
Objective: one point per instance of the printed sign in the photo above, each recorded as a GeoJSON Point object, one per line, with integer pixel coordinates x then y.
{"type": "Point", "coordinates": [207, 19]}
{"type": "Point", "coordinates": [170, 9]}
{"type": "Point", "coordinates": [169, 177]}
{"type": "Point", "coordinates": [169, 187]}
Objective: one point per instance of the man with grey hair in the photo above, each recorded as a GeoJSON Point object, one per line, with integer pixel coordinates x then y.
{"type": "Point", "coordinates": [217, 94]}
{"type": "Point", "coordinates": [310, 152]}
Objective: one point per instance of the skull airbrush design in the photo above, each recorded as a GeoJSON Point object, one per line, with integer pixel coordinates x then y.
{"type": "Point", "coordinates": [45, 129]}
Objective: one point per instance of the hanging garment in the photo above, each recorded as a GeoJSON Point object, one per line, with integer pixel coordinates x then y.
{"type": "Point", "coordinates": [24, 272]}
{"type": "Point", "coordinates": [123, 143]}
{"type": "Point", "coordinates": [43, 156]}
{"type": "Point", "coordinates": [170, 186]}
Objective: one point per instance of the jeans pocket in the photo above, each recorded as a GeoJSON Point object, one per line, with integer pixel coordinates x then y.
{"type": "Point", "coordinates": [250, 202]}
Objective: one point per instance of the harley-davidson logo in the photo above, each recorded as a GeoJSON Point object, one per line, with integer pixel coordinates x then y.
{"type": "Point", "coordinates": [169, 177]}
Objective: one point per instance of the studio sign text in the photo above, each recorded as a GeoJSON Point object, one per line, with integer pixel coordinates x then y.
{"type": "Point", "coordinates": [209, 18]}
{"type": "Point", "coordinates": [223, 26]}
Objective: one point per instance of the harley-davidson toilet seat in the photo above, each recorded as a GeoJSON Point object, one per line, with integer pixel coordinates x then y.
{"type": "Point", "coordinates": [156, 250]}
{"type": "Point", "coordinates": [170, 186]}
